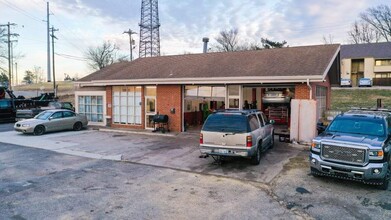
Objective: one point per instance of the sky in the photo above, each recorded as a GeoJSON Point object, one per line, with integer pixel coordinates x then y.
{"type": "Point", "coordinates": [88, 23]}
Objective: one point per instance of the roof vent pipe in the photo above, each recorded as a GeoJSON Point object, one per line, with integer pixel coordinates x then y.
{"type": "Point", "coordinates": [205, 40]}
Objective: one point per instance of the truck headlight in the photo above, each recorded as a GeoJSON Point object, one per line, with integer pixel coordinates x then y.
{"type": "Point", "coordinates": [315, 145]}
{"type": "Point", "coordinates": [376, 154]}
{"type": "Point", "coordinates": [25, 125]}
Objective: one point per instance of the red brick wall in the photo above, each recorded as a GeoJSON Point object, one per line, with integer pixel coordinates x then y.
{"type": "Point", "coordinates": [302, 91]}
{"type": "Point", "coordinates": [109, 101]}
{"type": "Point", "coordinates": [167, 97]}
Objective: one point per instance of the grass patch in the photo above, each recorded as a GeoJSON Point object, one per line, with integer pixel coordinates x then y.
{"type": "Point", "coordinates": [344, 99]}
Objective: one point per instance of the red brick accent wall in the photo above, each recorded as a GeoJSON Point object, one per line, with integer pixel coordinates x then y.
{"type": "Point", "coordinates": [109, 100]}
{"type": "Point", "coordinates": [167, 97]}
{"type": "Point", "coordinates": [302, 91]}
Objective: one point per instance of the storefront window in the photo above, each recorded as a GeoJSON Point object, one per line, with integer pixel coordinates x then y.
{"type": "Point", "coordinates": [127, 104]}
{"type": "Point", "coordinates": [92, 107]}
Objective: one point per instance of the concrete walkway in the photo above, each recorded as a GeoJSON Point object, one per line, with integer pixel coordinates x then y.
{"type": "Point", "coordinates": [179, 151]}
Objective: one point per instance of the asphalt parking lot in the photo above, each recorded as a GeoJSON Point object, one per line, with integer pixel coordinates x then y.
{"type": "Point", "coordinates": [177, 152]}
{"type": "Point", "coordinates": [283, 173]}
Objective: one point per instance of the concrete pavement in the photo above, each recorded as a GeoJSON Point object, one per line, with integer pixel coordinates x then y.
{"type": "Point", "coordinates": [177, 152]}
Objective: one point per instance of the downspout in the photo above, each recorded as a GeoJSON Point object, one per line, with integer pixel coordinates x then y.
{"type": "Point", "coordinates": [309, 87]}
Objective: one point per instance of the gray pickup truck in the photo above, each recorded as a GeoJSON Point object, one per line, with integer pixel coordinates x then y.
{"type": "Point", "coordinates": [355, 146]}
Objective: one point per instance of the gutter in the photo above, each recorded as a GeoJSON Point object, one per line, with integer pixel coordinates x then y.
{"type": "Point", "coordinates": [309, 87]}
{"type": "Point", "coordinates": [201, 80]}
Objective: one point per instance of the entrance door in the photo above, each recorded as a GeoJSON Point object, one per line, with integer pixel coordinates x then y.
{"type": "Point", "coordinates": [150, 111]}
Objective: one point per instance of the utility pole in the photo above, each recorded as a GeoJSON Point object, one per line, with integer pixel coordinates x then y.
{"type": "Point", "coordinates": [54, 70]}
{"type": "Point", "coordinates": [9, 50]}
{"type": "Point", "coordinates": [16, 73]}
{"type": "Point", "coordinates": [131, 42]}
{"type": "Point", "coordinates": [48, 38]}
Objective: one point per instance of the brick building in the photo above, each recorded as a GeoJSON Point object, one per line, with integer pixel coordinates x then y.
{"type": "Point", "coordinates": [187, 88]}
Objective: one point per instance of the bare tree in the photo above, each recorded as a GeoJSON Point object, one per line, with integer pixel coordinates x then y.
{"type": "Point", "coordinates": [363, 32]}
{"type": "Point", "coordinates": [328, 39]}
{"type": "Point", "coordinates": [379, 18]}
{"type": "Point", "coordinates": [101, 56]}
{"type": "Point", "coordinates": [227, 40]}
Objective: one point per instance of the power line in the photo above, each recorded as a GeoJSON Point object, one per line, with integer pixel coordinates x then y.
{"type": "Point", "coordinates": [71, 57]}
{"type": "Point", "coordinates": [20, 10]}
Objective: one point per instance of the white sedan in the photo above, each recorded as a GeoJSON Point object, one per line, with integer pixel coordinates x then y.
{"type": "Point", "coordinates": [52, 120]}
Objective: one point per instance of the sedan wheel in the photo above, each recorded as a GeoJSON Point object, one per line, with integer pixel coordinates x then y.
{"type": "Point", "coordinates": [77, 126]}
{"type": "Point", "coordinates": [39, 130]}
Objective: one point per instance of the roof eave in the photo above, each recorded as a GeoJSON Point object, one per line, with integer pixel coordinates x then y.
{"type": "Point", "coordinates": [206, 80]}
{"type": "Point", "coordinates": [331, 63]}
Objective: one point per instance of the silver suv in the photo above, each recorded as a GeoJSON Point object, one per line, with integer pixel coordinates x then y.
{"type": "Point", "coordinates": [237, 133]}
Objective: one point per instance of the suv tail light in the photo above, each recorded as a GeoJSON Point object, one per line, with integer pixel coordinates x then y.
{"type": "Point", "coordinates": [249, 141]}
{"type": "Point", "coordinates": [201, 138]}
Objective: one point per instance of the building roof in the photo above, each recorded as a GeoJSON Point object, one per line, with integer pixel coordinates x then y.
{"type": "Point", "coordinates": [375, 50]}
{"type": "Point", "coordinates": [306, 62]}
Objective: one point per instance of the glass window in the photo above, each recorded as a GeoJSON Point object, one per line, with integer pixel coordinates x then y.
{"type": "Point", "coordinates": [150, 91]}
{"type": "Point", "coordinates": [126, 104]}
{"type": "Point", "coordinates": [205, 91]}
{"type": "Point", "coordinates": [385, 62]}
{"type": "Point", "coordinates": [233, 90]}
{"type": "Point", "coordinates": [253, 121]}
{"type": "Point", "coordinates": [261, 119]}
{"type": "Point", "coordinates": [92, 106]}
{"type": "Point", "coordinates": [226, 123]}
{"type": "Point", "coordinates": [68, 114]}
{"type": "Point", "coordinates": [355, 125]}
{"type": "Point", "coordinates": [218, 92]}
{"type": "Point", "coordinates": [233, 103]}
{"type": "Point", "coordinates": [191, 91]}
{"type": "Point", "coordinates": [56, 115]}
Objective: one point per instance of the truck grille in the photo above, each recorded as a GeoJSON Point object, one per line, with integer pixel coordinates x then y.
{"type": "Point", "coordinates": [344, 154]}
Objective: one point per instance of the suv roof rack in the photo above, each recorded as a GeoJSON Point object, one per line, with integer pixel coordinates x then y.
{"type": "Point", "coordinates": [371, 109]}
{"type": "Point", "coordinates": [243, 111]}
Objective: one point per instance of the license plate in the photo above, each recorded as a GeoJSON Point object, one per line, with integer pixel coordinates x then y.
{"type": "Point", "coordinates": [223, 151]}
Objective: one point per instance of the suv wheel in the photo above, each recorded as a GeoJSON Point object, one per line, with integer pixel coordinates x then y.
{"type": "Point", "coordinates": [272, 141]}
{"type": "Point", "coordinates": [257, 157]}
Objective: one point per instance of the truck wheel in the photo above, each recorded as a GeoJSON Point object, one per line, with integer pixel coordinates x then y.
{"type": "Point", "coordinates": [39, 130]}
{"type": "Point", "coordinates": [77, 126]}
{"type": "Point", "coordinates": [272, 141]}
{"type": "Point", "coordinates": [255, 159]}
{"type": "Point", "coordinates": [386, 180]}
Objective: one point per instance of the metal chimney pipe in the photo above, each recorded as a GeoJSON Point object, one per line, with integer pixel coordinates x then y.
{"type": "Point", "coordinates": [205, 40]}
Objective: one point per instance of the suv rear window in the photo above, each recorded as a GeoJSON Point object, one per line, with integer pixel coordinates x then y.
{"type": "Point", "coordinates": [226, 123]}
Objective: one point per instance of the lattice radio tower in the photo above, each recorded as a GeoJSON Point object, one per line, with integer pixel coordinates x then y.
{"type": "Point", "coordinates": [149, 29]}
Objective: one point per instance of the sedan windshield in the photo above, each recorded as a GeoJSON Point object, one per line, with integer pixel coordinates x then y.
{"type": "Point", "coordinates": [226, 123]}
{"type": "Point", "coordinates": [43, 115]}
{"type": "Point", "coordinates": [358, 125]}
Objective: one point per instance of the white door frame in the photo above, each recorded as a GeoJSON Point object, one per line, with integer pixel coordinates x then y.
{"type": "Point", "coordinates": [146, 114]}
